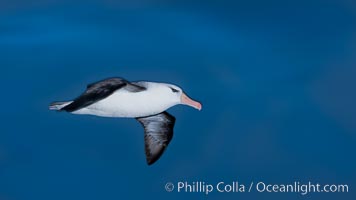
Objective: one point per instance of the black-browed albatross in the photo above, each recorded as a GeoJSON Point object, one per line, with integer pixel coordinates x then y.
{"type": "Point", "coordinates": [145, 101]}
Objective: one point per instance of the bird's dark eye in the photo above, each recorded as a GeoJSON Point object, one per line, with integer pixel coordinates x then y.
{"type": "Point", "coordinates": [174, 90]}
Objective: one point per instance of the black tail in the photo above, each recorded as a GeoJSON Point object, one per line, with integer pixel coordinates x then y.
{"type": "Point", "coordinates": [58, 105]}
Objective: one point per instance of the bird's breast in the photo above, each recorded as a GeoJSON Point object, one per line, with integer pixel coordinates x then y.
{"type": "Point", "coordinates": [128, 104]}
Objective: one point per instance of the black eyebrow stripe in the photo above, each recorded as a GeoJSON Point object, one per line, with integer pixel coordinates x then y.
{"type": "Point", "coordinates": [174, 90]}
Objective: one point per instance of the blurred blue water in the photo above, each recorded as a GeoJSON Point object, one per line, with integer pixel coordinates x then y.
{"type": "Point", "coordinates": [276, 80]}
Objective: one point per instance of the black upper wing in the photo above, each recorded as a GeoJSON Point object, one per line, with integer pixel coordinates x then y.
{"type": "Point", "coordinates": [100, 90]}
{"type": "Point", "coordinates": [158, 134]}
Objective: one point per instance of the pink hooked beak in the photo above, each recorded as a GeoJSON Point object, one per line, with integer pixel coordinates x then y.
{"type": "Point", "coordinates": [184, 99]}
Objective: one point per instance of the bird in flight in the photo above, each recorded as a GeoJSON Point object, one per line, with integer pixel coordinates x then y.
{"type": "Point", "coordinates": [142, 100]}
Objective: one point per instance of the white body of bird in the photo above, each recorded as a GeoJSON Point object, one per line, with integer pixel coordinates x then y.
{"type": "Point", "coordinates": [123, 103]}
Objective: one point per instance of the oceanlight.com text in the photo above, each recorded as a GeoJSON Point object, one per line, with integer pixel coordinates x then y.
{"type": "Point", "coordinates": [302, 188]}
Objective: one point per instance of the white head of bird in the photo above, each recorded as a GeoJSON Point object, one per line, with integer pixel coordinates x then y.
{"type": "Point", "coordinates": [175, 95]}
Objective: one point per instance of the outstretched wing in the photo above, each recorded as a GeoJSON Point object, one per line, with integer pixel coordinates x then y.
{"type": "Point", "coordinates": [158, 134]}
{"type": "Point", "coordinates": [100, 90]}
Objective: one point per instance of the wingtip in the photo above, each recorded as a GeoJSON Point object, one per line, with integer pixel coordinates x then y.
{"type": "Point", "coordinates": [151, 160]}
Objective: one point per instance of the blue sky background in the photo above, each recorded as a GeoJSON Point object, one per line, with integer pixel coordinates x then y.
{"type": "Point", "coordinates": [276, 80]}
